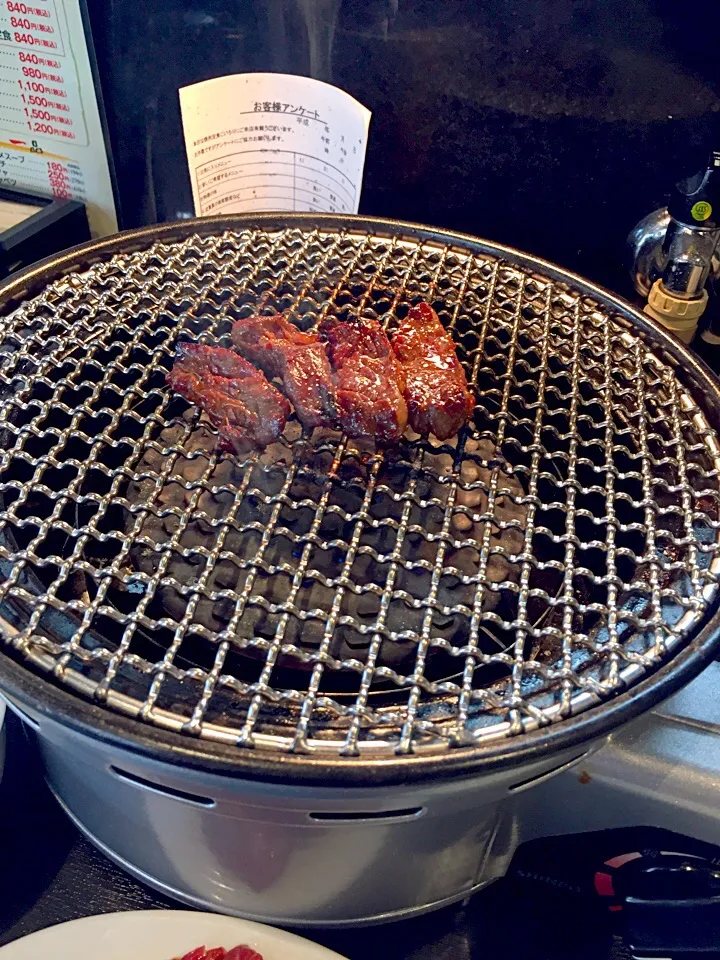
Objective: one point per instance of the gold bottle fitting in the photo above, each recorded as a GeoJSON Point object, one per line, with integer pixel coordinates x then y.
{"type": "Point", "coordinates": [679, 316]}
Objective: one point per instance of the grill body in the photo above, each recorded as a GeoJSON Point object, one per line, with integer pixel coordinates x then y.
{"type": "Point", "coordinates": [316, 685]}
{"type": "Point", "coordinates": [290, 854]}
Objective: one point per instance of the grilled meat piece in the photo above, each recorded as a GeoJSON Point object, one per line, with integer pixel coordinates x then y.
{"type": "Point", "coordinates": [370, 381]}
{"type": "Point", "coordinates": [240, 403]}
{"type": "Point", "coordinates": [297, 359]}
{"type": "Point", "coordinates": [437, 394]}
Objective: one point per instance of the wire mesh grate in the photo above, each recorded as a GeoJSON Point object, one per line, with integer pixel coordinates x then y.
{"type": "Point", "coordinates": [324, 596]}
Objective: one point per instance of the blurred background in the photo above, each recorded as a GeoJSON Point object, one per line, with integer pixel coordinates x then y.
{"type": "Point", "coordinates": [550, 125]}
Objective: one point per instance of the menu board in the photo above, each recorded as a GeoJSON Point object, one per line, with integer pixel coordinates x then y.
{"type": "Point", "coordinates": [271, 141]}
{"type": "Point", "coordinates": [51, 138]}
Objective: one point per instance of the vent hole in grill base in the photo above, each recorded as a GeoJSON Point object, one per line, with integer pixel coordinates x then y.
{"type": "Point", "coordinates": [138, 781]}
{"type": "Point", "coordinates": [331, 816]}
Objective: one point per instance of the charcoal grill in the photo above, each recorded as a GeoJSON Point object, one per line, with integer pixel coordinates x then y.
{"type": "Point", "coordinates": [306, 684]}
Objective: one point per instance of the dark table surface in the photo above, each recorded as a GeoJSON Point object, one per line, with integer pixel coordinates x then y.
{"type": "Point", "coordinates": [51, 874]}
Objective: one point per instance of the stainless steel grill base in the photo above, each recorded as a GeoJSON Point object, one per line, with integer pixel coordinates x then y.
{"type": "Point", "coordinates": [661, 771]}
{"type": "Point", "coordinates": [183, 897]}
{"type": "Point", "coordinates": [283, 853]}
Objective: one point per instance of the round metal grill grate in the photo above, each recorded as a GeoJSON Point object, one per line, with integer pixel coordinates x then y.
{"type": "Point", "coordinates": [324, 596]}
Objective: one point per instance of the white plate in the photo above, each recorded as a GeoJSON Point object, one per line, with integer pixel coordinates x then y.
{"type": "Point", "coordinates": [159, 935]}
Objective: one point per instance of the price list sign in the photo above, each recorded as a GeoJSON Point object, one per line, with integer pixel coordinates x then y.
{"type": "Point", "coordinates": [51, 139]}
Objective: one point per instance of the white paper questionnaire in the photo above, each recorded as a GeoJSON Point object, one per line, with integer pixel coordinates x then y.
{"type": "Point", "coordinates": [269, 141]}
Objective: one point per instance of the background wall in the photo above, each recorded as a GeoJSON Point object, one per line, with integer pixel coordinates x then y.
{"type": "Point", "coordinates": [550, 125]}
